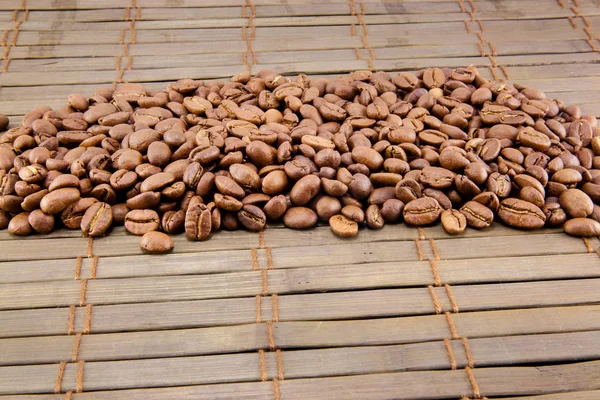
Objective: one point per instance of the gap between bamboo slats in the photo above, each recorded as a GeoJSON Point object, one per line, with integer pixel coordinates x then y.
{"type": "Point", "coordinates": [357, 304]}
{"type": "Point", "coordinates": [297, 335]}
{"type": "Point", "coordinates": [181, 371]}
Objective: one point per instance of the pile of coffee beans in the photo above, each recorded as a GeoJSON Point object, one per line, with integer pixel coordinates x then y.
{"type": "Point", "coordinates": [364, 149]}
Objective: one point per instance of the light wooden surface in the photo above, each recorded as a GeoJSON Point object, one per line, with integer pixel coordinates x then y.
{"type": "Point", "coordinates": [398, 313]}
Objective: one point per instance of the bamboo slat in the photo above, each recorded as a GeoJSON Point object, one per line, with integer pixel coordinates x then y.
{"type": "Point", "coordinates": [297, 335]}
{"type": "Point", "coordinates": [307, 363]}
{"type": "Point", "coordinates": [330, 306]}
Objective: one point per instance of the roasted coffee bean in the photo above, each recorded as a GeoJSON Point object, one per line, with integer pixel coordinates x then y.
{"type": "Point", "coordinates": [391, 210]}
{"type": "Point", "coordinates": [374, 218]}
{"type": "Point", "coordinates": [521, 214]}
{"type": "Point", "coordinates": [198, 221]}
{"type": "Point", "coordinates": [305, 189]}
{"type": "Point", "coordinates": [97, 219]}
{"type": "Point", "coordinates": [252, 217]}
{"type": "Point", "coordinates": [423, 211]}
{"type": "Point", "coordinates": [453, 221]}
{"type": "Point", "coordinates": [156, 242]}
{"type": "Point", "coordinates": [300, 218]}
{"type": "Point", "coordinates": [582, 227]}
{"type": "Point", "coordinates": [19, 225]}
{"type": "Point", "coordinates": [477, 215]}
{"type": "Point", "coordinates": [41, 222]}
{"type": "Point", "coordinates": [57, 200]}
{"type": "Point", "coordinates": [139, 222]}
{"type": "Point", "coordinates": [173, 221]}
{"type": "Point", "coordinates": [343, 226]}
{"type": "Point", "coordinates": [576, 203]}
{"type": "Point", "coordinates": [555, 215]}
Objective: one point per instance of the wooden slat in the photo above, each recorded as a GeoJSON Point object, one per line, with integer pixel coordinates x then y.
{"type": "Point", "coordinates": [302, 307]}
{"type": "Point", "coordinates": [288, 335]}
{"type": "Point", "coordinates": [306, 363]}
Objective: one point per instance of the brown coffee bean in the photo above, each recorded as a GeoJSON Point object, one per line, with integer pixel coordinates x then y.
{"type": "Point", "coordinates": [367, 156]}
{"type": "Point", "coordinates": [453, 221]}
{"type": "Point", "coordinates": [477, 215]}
{"type": "Point", "coordinates": [499, 184]}
{"type": "Point", "coordinates": [555, 215]}
{"type": "Point", "coordinates": [408, 190]}
{"type": "Point", "coordinates": [300, 218]}
{"type": "Point", "coordinates": [41, 222]}
{"type": "Point", "coordinates": [521, 214]}
{"type": "Point", "coordinates": [437, 178]}
{"type": "Point", "coordinates": [391, 210]}
{"type": "Point", "coordinates": [374, 217]}
{"type": "Point", "coordinates": [252, 217]}
{"type": "Point", "coordinates": [327, 206]}
{"type": "Point", "coordinates": [576, 203]}
{"type": "Point", "coordinates": [157, 182]}
{"type": "Point", "coordinates": [198, 221]}
{"type": "Point", "coordinates": [156, 242]}
{"type": "Point", "coordinates": [305, 189]}
{"type": "Point", "coordinates": [343, 226]}
{"type": "Point", "coordinates": [274, 183]}
{"type": "Point", "coordinates": [354, 213]}
{"type": "Point", "coordinates": [57, 200]}
{"type": "Point", "coordinates": [141, 221]}
{"type": "Point", "coordinates": [423, 211]}
{"type": "Point", "coordinates": [19, 225]}
{"type": "Point", "coordinates": [97, 219]}
{"type": "Point", "coordinates": [173, 221]}
{"type": "Point", "coordinates": [582, 227]}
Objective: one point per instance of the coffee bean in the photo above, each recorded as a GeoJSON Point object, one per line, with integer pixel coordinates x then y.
{"type": "Point", "coordinates": [374, 218]}
{"type": "Point", "coordinates": [198, 221]}
{"type": "Point", "coordinates": [173, 221]}
{"type": "Point", "coordinates": [300, 218]}
{"type": "Point", "coordinates": [582, 227]}
{"type": "Point", "coordinates": [97, 219]}
{"type": "Point", "coordinates": [41, 222]}
{"type": "Point", "coordinates": [252, 217]}
{"type": "Point", "coordinates": [156, 242]}
{"type": "Point", "coordinates": [477, 215]}
{"type": "Point", "coordinates": [343, 226]}
{"type": "Point", "coordinates": [19, 225]}
{"type": "Point", "coordinates": [576, 203]}
{"type": "Point", "coordinates": [555, 215]}
{"type": "Point", "coordinates": [305, 189]}
{"type": "Point", "coordinates": [141, 221]}
{"type": "Point", "coordinates": [423, 211]}
{"type": "Point", "coordinates": [453, 221]}
{"type": "Point", "coordinates": [57, 200]}
{"type": "Point", "coordinates": [521, 214]}
{"type": "Point", "coordinates": [157, 182]}
{"type": "Point", "coordinates": [327, 206]}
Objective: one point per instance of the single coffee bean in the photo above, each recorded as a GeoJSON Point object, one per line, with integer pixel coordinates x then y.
{"type": "Point", "coordinates": [276, 207]}
{"type": "Point", "coordinates": [139, 222]}
{"type": "Point", "coordinates": [477, 215]}
{"type": "Point", "coordinates": [4, 219]}
{"type": "Point", "coordinates": [156, 242]}
{"type": "Point", "coordinates": [576, 203]}
{"type": "Point", "coordinates": [41, 222]}
{"type": "Point", "coordinates": [305, 189]}
{"type": "Point", "coordinates": [327, 206]}
{"type": "Point", "coordinates": [453, 221]}
{"type": "Point", "coordinates": [97, 219]}
{"type": "Point", "coordinates": [198, 221]}
{"type": "Point", "coordinates": [521, 214]}
{"type": "Point", "coordinates": [437, 178]}
{"type": "Point", "coordinates": [343, 226]}
{"type": "Point", "coordinates": [423, 211]}
{"type": "Point", "coordinates": [57, 200]}
{"type": "Point", "coordinates": [19, 225]}
{"type": "Point", "coordinates": [252, 217]}
{"type": "Point", "coordinates": [555, 215]}
{"type": "Point", "coordinates": [173, 221]}
{"type": "Point", "coordinates": [374, 218]}
{"type": "Point", "coordinates": [300, 218]}
{"type": "Point", "coordinates": [157, 182]}
{"type": "Point", "coordinates": [582, 227]}
{"type": "Point", "coordinates": [228, 187]}
{"type": "Point", "coordinates": [119, 212]}
{"type": "Point", "coordinates": [391, 210]}
{"type": "Point", "coordinates": [354, 212]}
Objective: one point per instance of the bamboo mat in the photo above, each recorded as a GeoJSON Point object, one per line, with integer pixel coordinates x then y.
{"type": "Point", "coordinates": [399, 313]}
